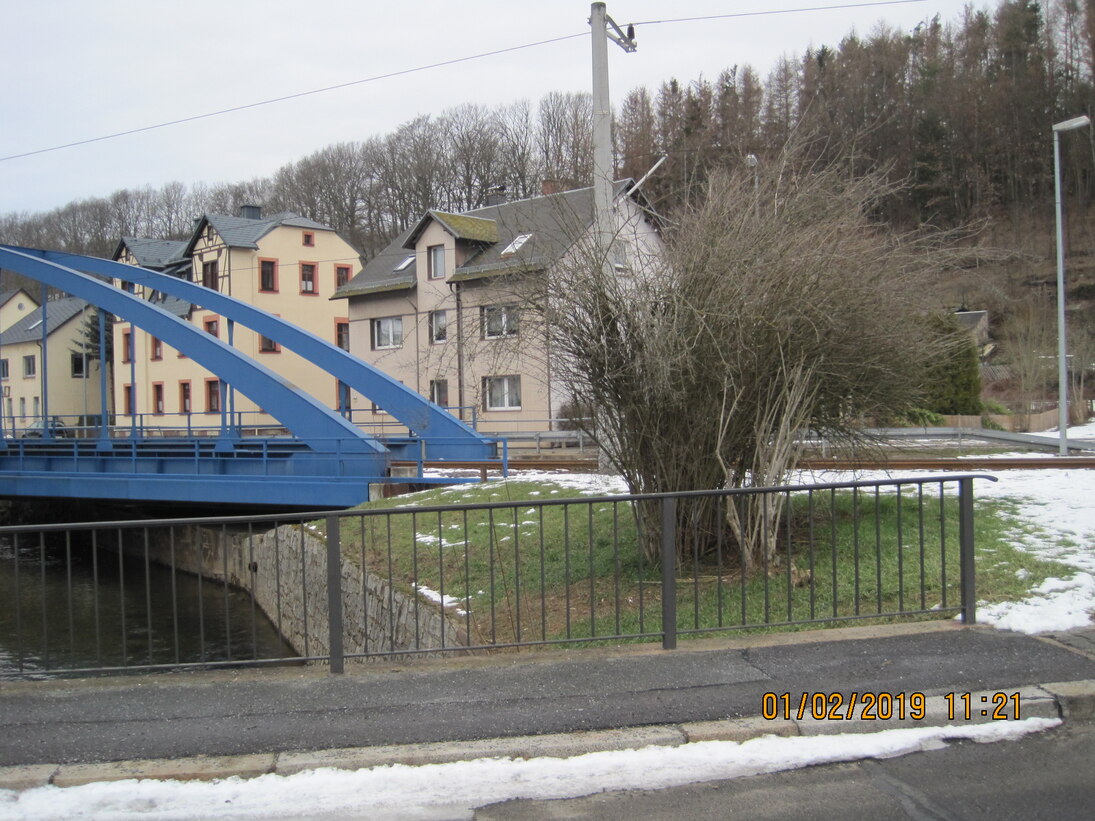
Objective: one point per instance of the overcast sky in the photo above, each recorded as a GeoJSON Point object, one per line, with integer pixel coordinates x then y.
{"type": "Point", "coordinates": [75, 70]}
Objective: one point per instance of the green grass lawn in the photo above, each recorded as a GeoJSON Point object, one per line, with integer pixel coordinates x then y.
{"type": "Point", "coordinates": [538, 572]}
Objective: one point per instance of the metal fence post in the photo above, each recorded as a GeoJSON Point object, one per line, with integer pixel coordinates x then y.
{"type": "Point", "coordinates": [965, 551]}
{"type": "Point", "coordinates": [334, 594]}
{"type": "Point", "coordinates": [669, 573]}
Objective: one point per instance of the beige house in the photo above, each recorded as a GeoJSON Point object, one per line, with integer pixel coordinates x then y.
{"type": "Point", "coordinates": [71, 379]}
{"type": "Point", "coordinates": [438, 309]}
{"type": "Point", "coordinates": [285, 264]}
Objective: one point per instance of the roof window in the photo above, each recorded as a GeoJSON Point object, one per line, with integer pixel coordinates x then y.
{"type": "Point", "coordinates": [405, 264]}
{"type": "Point", "coordinates": [515, 246]}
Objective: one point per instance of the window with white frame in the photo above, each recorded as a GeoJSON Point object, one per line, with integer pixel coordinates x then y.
{"type": "Point", "coordinates": [620, 255]}
{"type": "Point", "coordinates": [498, 321]}
{"type": "Point", "coordinates": [439, 392]}
{"type": "Point", "coordinates": [502, 393]}
{"type": "Point", "coordinates": [30, 365]}
{"type": "Point", "coordinates": [515, 245]}
{"type": "Point", "coordinates": [435, 261]}
{"type": "Point", "coordinates": [387, 332]}
{"type": "Point", "coordinates": [439, 326]}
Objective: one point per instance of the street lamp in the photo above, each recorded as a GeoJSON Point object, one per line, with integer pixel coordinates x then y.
{"type": "Point", "coordinates": [1062, 366]}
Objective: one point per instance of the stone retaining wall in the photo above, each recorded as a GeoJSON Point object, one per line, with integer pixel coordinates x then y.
{"type": "Point", "coordinates": [286, 570]}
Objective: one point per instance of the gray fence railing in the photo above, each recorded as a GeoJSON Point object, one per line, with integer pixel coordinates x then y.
{"type": "Point", "coordinates": [394, 581]}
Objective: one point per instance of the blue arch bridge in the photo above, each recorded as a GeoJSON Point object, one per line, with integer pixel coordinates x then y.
{"type": "Point", "coordinates": [323, 461]}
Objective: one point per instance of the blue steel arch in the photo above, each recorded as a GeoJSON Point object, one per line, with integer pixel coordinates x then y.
{"type": "Point", "coordinates": [316, 425]}
{"type": "Point", "coordinates": [421, 416]}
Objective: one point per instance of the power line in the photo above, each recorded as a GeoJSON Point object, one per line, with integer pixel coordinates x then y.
{"type": "Point", "coordinates": [296, 96]}
{"type": "Point", "coordinates": [769, 12]}
{"type": "Point", "coordinates": [431, 66]}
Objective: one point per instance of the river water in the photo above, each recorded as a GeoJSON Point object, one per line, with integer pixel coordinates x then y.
{"type": "Point", "coordinates": [65, 605]}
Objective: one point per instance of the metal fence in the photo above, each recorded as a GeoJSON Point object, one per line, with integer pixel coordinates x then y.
{"type": "Point", "coordinates": [400, 579]}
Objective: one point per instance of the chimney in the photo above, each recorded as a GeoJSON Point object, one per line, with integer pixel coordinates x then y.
{"type": "Point", "coordinates": [251, 212]}
{"type": "Point", "coordinates": [553, 185]}
{"type": "Point", "coordinates": [496, 195]}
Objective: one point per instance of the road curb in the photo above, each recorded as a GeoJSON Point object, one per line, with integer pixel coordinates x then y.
{"type": "Point", "coordinates": [1068, 700]}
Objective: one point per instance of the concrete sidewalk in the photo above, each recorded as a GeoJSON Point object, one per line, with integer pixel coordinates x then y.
{"type": "Point", "coordinates": [251, 722]}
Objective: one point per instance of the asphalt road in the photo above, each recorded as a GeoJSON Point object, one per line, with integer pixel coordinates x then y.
{"type": "Point", "coordinates": [1049, 775]}
{"type": "Point", "coordinates": [180, 715]}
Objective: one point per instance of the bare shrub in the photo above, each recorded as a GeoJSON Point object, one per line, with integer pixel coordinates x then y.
{"type": "Point", "coordinates": [779, 306]}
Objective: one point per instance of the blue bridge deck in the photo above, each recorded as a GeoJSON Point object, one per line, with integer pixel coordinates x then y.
{"type": "Point", "coordinates": [276, 471]}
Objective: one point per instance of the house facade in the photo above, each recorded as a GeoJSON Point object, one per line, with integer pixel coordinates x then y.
{"type": "Point", "coordinates": [285, 264]}
{"type": "Point", "coordinates": [59, 378]}
{"type": "Point", "coordinates": [440, 308]}
{"type": "Point", "coordinates": [15, 305]}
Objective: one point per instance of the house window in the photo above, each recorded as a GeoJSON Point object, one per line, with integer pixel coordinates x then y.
{"type": "Point", "coordinates": [184, 397]}
{"type": "Point", "coordinates": [439, 392]}
{"type": "Point", "coordinates": [30, 365]}
{"type": "Point", "coordinates": [156, 349]}
{"type": "Point", "coordinates": [439, 326]}
{"type": "Point", "coordinates": [308, 239]}
{"type": "Point", "coordinates": [342, 275]}
{"type": "Point", "coordinates": [79, 366]}
{"type": "Point", "coordinates": [157, 397]}
{"type": "Point", "coordinates": [502, 392]}
{"type": "Point", "coordinates": [498, 321]}
{"type": "Point", "coordinates": [620, 256]}
{"type": "Point", "coordinates": [212, 396]}
{"type": "Point", "coordinates": [308, 278]}
{"type": "Point", "coordinates": [212, 326]}
{"type": "Point", "coordinates": [342, 335]}
{"type": "Point", "coordinates": [404, 264]}
{"type": "Point", "coordinates": [435, 261]}
{"type": "Point", "coordinates": [387, 332]}
{"type": "Point", "coordinates": [129, 405]}
{"type": "Point", "coordinates": [267, 345]}
{"type": "Point", "coordinates": [127, 346]}
{"type": "Point", "coordinates": [343, 397]}
{"type": "Point", "coordinates": [4, 370]}
{"type": "Point", "coordinates": [210, 275]}
{"type": "Point", "coordinates": [268, 276]}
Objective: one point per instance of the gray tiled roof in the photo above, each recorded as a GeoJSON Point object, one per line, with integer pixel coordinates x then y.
{"type": "Point", "coordinates": [154, 254]}
{"type": "Point", "coordinates": [554, 221]}
{"type": "Point", "coordinates": [241, 232]}
{"type": "Point", "coordinates": [28, 329]}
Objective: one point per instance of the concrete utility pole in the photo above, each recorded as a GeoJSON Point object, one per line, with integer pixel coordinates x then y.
{"type": "Point", "coordinates": [600, 22]}
{"type": "Point", "coordinates": [1062, 360]}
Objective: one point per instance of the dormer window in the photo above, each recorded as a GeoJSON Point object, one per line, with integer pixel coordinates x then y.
{"type": "Point", "coordinates": [405, 264]}
{"type": "Point", "coordinates": [515, 246]}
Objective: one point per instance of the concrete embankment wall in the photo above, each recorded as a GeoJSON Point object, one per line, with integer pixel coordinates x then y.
{"type": "Point", "coordinates": [286, 571]}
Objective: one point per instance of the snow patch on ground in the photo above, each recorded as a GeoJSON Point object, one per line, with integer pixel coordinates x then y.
{"type": "Point", "coordinates": [407, 792]}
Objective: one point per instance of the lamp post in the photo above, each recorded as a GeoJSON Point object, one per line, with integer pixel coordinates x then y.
{"type": "Point", "coordinates": [1062, 363]}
